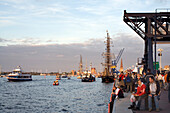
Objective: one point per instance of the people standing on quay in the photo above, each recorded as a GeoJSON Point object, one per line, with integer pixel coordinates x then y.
{"type": "Point", "coordinates": [138, 96]}
{"type": "Point", "coordinates": [160, 80]}
{"type": "Point", "coordinates": [165, 80]}
{"type": "Point", "coordinates": [129, 83]}
{"type": "Point", "coordinates": [122, 81]}
{"type": "Point", "coordinates": [153, 90]}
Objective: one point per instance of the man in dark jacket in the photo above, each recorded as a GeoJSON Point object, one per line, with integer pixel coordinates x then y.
{"type": "Point", "coordinates": [148, 75]}
{"type": "Point", "coordinates": [129, 83]}
{"type": "Point", "coordinates": [168, 81]}
{"type": "Point", "coordinates": [153, 90]}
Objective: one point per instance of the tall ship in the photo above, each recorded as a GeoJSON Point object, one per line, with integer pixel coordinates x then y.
{"type": "Point", "coordinates": [17, 75]}
{"type": "Point", "coordinates": [107, 76]}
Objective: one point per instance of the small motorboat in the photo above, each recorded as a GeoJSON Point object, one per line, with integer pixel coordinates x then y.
{"type": "Point", "coordinates": [64, 76]}
{"type": "Point", "coordinates": [58, 77]}
{"type": "Point", "coordinates": [56, 82]}
{"type": "Point", "coordinates": [17, 75]}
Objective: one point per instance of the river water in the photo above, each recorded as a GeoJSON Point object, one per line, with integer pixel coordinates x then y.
{"type": "Point", "coordinates": [39, 95]}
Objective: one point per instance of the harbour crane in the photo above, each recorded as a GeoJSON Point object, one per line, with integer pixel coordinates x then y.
{"type": "Point", "coordinates": [115, 62]}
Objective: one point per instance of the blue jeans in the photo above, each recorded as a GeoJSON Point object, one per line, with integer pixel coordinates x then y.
{"type": "Point", "coordinates": [169, 91]}
{"type": "Point", "coordinates": [139, 99]}
{"type": "Point", "coordinates": [155, 100]}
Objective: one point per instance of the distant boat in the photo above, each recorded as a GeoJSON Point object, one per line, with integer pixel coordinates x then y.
{"type": "Point", "coordinates": [64, 76]}
{"type": "Point", "coordinates": [69, 77]}
{"type": "Point", "coordinates": [58, 77]}
{"type": "Point", "coordinates": [88, 77]}
{"type": "Point", "coordinates": [17, 75]}
{"type": "Point", "coordinates": [43, 74]}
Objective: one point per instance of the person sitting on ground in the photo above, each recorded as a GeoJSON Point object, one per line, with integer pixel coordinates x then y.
{"type": "Point", "coordinates": [117, 93]}
{"type": "Point", "coordinates": [149, 74]}
{"type": "Point", "coordinates": [138, 96]}
{"type": "Point", "coordinates": [153, 90]}
{"type": "Point", "coordinates": [138, 77]}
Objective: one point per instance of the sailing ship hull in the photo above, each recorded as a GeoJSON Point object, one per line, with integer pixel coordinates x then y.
{"type": "Point", "coordinates": [107, 79]}
{"type": "Point", "coordinates": [88, 79]}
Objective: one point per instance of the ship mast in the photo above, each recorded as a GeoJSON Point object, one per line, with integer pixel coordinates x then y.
{"type": "Point", "coordinates": [107, 56]}
{"type": "Point", "coordinates": [81, 65]}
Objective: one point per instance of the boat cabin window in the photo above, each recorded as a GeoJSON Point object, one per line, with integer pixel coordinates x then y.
{"type": "Point", "coordinates": [16, 71]}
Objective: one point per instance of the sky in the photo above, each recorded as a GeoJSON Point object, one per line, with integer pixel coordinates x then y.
{"type": "Point", "coordinates": [50, 35]}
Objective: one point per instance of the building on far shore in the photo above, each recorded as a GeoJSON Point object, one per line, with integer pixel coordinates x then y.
{"type": "Point", "coordinates": [93, 71]}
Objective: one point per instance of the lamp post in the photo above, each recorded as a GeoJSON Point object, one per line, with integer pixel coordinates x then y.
{"type": "Point", "coordinates": [160, 54]}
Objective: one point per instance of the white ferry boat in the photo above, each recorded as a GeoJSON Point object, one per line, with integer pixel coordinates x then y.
{"type": "Point", "coordinates": [17, 75]}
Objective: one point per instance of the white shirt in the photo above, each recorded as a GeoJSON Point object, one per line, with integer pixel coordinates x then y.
{"type": "Point", "coordinates": [117, 91]}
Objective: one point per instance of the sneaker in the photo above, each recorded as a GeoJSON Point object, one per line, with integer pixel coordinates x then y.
{"type": "Point", "coordinates": [131, 107]}
{"type": "Point", "coordinates": [150, 110]}
{"type": "Point", "coordinates": [157, 110]}
{"type": "Point", "coordinates": [136, 108]}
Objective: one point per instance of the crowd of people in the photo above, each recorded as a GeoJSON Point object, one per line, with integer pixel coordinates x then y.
{"type": "Point", "coordinates": [142, 86]}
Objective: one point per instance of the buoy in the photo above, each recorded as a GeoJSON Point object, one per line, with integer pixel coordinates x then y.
{"type": "Point", "coordinates": [55, 83]}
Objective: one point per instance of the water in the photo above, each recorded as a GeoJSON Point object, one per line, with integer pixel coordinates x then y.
{"type": "Point", "coordinates": [39, 95]}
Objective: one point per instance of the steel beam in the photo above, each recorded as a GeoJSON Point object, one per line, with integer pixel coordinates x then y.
{"type": "Point", "coordinates": [153, 28]}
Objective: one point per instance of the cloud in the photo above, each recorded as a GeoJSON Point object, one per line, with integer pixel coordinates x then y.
{"type": "Point", "coordinates": [2, 40]}
{"type": "Point", "coordinates": [26, 41]}
{"type": "Point", "coordinates": [60, 56]}
{"type": "Point", "coordinates": [48, 29]}
{"type": "Point", "coordinates": [6, 23]}
{"type": "Point", "coordinates": [66, 56]}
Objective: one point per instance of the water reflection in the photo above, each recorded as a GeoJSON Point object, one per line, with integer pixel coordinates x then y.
{"type": "Point", "coordinates": [40, 95]}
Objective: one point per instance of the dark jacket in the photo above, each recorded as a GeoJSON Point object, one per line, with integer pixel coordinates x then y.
{"type": "Point", "coordinates": [157, 90]}
{"type": "Point", "coordinates": [168, 78]}
{"type": "Point", "coordinates": [131, 79]}
{"type": "Point", "coordinates": [120, 94]}
{"type": "Point", "coordinates": [147, 77]}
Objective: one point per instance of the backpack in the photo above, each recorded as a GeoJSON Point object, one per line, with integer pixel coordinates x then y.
{"type": "Point", "coordinates": [120, 78]}
{"type": "Point", "coordinates": [128, 79]}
